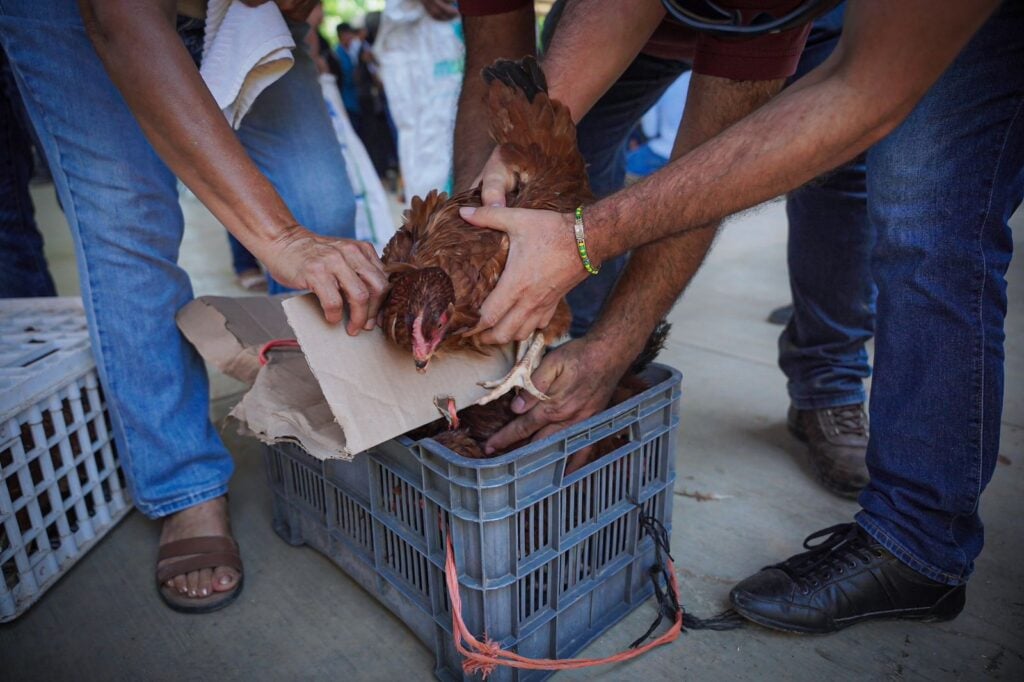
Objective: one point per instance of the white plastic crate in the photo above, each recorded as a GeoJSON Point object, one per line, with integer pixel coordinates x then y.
{"type": "Point", "coordinates": [61, 488]}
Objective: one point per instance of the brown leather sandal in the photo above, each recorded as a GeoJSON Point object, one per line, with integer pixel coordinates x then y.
{"type": "Point", "coordinates": [193, 554]}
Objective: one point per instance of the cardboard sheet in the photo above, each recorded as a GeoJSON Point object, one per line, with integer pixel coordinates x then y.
{"type": "Point", "coordinates": [372, 386]}
{"type": "Point", "coordinates": [339, 396]}
{"type": "Point", "coordinates": [228, 332]}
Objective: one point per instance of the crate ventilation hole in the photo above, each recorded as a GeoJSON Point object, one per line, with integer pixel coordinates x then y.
{"type": "Point", "coordinates": [485, 656]}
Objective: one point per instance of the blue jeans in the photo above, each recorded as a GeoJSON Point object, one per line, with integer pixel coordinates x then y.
{"type": "Point", "coordinates": [822, 348]}
{"type": "Point", "coordinates": [122, 206]}
{"type": "Point", "coordinates": [642, 161]}
{"type": "Point", "coordinates": [603, 135]}
{"type": "Point", "coordinates": [941, 189]}
{"type": "Point", "coordinates": [23, 268]}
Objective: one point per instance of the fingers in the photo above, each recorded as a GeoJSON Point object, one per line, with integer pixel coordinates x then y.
{"type": "Point", "coordinates": [527, 327]}
{"type": "Point", "coordinates": [494, 218]}
{"type": "Point", "coordinates": [537, 416]}
{"type": "Point", "coordinates": [349, 273]}
{"type": "Point", "coordinates": [495, 181]}
{"type": "Point", "coordinates": [508, 326]}
{"type": "Point", "coordinates": [549, 430]}
{"type": "Point", "coordinates": [369, 268]}
{"type": "Point", "coordinates": [543, 379]}
{"type": "Point", "coordinates": [515, 431]}
{"type": "Point", "coordinates": [326, 289]}
{"type": "Point", "coordinates": [516, 324]}
{"type": "Point", "coordinates": [363, 283]}
{"type": "Point", "coordinates": [498, 303]}
{"type": "Point", "coordinates": [356, 295]}
{"type": "Point", "coordinates": [530, 322]}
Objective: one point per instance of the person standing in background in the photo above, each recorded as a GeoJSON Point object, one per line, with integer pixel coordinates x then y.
{"type": "Point", "coordinates": [349, 47]}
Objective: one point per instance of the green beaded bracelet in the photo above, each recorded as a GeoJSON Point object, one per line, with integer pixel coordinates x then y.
{"type": "Point", "coordinates": [581, 243]}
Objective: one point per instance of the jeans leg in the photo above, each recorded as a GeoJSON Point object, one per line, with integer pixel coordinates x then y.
{"type": "Point", "coordinates": [941, 189]}
{"type": "Point", "coordinates": [289, 135]}
{"type": "Point", "coordinates": [822, 348]}
{"type": "Point", "coordinates": [23, 268]}
{"type": "Point", "coordinates": [121, 203]}
{"type": "Point", "coordinates": [602, 135]}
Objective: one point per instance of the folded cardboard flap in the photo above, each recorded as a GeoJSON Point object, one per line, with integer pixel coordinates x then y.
{"type": "Point", "coordinates": [229, 332]}
{"type": "Point", "coordinates": [372, 386]}
{"type": "Point", "coordinates": [343, 394]}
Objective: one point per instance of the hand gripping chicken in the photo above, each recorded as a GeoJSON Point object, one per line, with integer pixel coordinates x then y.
{"type": "Point", "coordinates": [441, 268]}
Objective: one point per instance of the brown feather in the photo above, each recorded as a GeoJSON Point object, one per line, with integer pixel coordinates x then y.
{"type": "Point", "coordinates": [537, 139]}
{"type": "Point", "coordinates": [477, 423]}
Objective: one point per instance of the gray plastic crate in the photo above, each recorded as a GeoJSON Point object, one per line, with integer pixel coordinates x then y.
{"type": "Point", "coordinates": [547, 562]}
{"type": "Point", "coordinates": [61, 489]}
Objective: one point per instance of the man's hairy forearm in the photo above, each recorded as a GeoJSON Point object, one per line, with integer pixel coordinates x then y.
{"type": "Point", "coordinates": [596, 40]}
{"type": "Point", "coordinates": [180, 118]}
{"type": "Point", "coordinates": [658, 273]}
{"type": "Point", "coordinates": [594, 43]}
{"type": "Point", "coordinates": [826, 118]}
{"type": "Point", "coordinates": [488, 38]}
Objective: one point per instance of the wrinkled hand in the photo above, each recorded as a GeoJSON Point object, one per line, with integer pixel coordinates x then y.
{"type": "Point", "coordinates": [442, 10]}
{"type": "Point", "coordinates": [579, 378]}
{"type": "Point", "coordinates": [296, 10]}
{"type": "Point", "coordinates": [543, 265]}
{"type": "Point", "coordinates": [339, 271]}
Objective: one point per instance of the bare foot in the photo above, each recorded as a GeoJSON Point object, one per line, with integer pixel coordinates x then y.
{"type": "Point", "coordinates": [208, 518]}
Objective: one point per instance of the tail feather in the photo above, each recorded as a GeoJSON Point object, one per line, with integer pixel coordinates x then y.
{"type": "Point", "coordinates": [536, 135]}
{"type": "Point", "coordinates": [655, 344]}
{"type": "Point", "coordinates": [524, 75]}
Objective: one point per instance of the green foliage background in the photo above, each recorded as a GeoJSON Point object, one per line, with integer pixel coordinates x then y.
{"type": "Point", "coordinates": [337, 11]}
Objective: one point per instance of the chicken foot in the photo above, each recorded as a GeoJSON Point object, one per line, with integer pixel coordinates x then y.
{"type": "Point", "coordinates": [521, 372]}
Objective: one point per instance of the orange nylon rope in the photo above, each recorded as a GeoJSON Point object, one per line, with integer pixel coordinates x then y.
{"type": "Point", "coordinates": [276, 343]}
{"type": "Point", "coordinates": [485, 656]}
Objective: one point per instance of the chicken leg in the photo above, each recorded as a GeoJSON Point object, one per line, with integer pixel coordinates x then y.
{"type": "Point", "coordinates": [521, 372]}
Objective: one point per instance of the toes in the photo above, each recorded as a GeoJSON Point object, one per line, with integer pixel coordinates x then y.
{"type": "Point", "coordinates": [224, 579]}
{"type": "Point", "coordinates": [205, 580]}
{"type": "Point", "coordinates": [180, 584]}
{"type": "Point", "coordinates": [193, 583]}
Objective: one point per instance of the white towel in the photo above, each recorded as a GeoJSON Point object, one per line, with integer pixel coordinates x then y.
{"type": "Point", "coordinates": [245, 50]}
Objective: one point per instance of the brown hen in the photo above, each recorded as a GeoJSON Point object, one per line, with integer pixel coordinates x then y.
{"type": "Point", "coordinates": [467, 431]}
{"type": "Point", "coordinates": [441, 268]}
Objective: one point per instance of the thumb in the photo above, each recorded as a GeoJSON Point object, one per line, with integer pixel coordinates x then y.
{"type": "Point", "coordinates": [491, 217]}
{"type": "Point", "coordinates": [543, 377]}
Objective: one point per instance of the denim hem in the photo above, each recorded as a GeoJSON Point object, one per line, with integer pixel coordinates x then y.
{"type": "Point", "coordinates": [897, 549]}
{"type": "Point", "coordinates": [852, 398]}
{"type": "Point", "coordinates": [156, 511]}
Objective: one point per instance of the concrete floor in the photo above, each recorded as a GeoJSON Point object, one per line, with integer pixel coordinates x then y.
{"type": "Point", "coordinates": [301, 618]}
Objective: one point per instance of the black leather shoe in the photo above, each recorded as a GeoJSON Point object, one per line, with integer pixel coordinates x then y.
{"type": "Point", "coordinates": [837, 439]}
{"type": "Point", "coordinates": [846, 579]}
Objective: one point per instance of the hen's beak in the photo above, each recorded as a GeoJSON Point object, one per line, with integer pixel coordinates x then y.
{"type": "Point", "coordinates": [421, 365]}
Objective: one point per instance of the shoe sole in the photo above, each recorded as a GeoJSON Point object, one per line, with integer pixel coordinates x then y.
{"type": "Point", "coordinates": [842, 625]}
